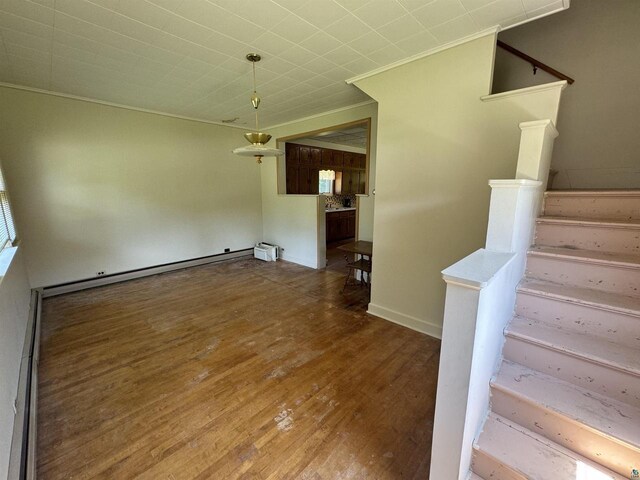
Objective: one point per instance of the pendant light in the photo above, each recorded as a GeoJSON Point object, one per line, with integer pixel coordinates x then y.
{"type": "Point", "coordinates": [257, 139]}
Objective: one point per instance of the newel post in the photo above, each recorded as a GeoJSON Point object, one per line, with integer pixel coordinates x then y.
{"type": "Point", "coordinates": [480, 301]}
{"type": "Point", "coordinates": [536, 147]}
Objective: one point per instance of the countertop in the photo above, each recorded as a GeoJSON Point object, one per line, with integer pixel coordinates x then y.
{"type": "Point", "coordinates": [339, 209]}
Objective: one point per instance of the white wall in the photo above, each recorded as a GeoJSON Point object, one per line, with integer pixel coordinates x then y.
{"type": "Point", "coordinates": [438, 145]}
{"type": "Point", "coordinates": [596, 43]}
{"type": "Point", "coordinates": [14, 310]}
{"type": "Point", "coordinates": [97, 188]}
{"type": "Point", "coordinates": [296, 222]}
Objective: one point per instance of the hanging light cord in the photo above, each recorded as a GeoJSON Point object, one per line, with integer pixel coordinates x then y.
{"type": "Point", "coordinates": [255, 93]}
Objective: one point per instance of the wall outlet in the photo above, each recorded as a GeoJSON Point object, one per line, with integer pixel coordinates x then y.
{"type": "Point", "coordinates": [227, 250]}
{"type": "Point", "coordinates": [100, 273]}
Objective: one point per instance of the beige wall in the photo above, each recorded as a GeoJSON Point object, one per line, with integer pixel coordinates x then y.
{"type": "Point", "coordinates": [296, 222]}
{"type": "Point", "coordinates": [438, 145]}
{"type": "Point", "coordinates": [14, 310]}
{"type": "Point", "coordinates": [97, 188]}
{"type": "Point", "coordinates": [596, 43]}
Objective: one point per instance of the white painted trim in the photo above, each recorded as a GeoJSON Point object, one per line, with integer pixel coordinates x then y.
{"type": "Point", "coordinates": [590, 193]}
{"type": "Point", "coordinates": [547, 123]}
{"type": "Point", "coordinates": [323, 114]}
{"type": "Point", "coordinates": [145, 272]}
{"type": "Point", "coordinates": [525, 91]}
{"type": "Point", "coordinates": [418, 56]}
{"type": "Point", "coordinates": [311, 262]}
{"type": "Point", "coordinates": [408, 321]}
{"type": "Point", "coordinates": [119, 105]}
{"type": "Point", "coordinates": [514, 182]}
{"type": "Point", "coordinates": [478, 270]}
{"type": "Point", "coordinates": [6, 258]}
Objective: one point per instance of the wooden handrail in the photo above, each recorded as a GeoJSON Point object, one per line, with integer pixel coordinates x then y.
{"type": "Point", "coordinates": [536, 63]}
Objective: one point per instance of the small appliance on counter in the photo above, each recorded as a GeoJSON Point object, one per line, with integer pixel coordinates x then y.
{"type": "Point", "coordinates": [266, 252]}
{"type": "Point", "coordinates": [346, 203]}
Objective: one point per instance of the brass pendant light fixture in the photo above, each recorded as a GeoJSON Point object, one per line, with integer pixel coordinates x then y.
{"type": "Point", "coordinates": [257, 139]}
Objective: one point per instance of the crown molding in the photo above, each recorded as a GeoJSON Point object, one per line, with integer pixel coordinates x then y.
{"type": "Point", "coordinates": [119, 105]}
{"type": "Point", "coordinates": [427, 53]}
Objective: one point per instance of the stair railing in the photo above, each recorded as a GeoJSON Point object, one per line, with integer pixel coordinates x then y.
{"type": "Point", "coordinates": [536, 64]}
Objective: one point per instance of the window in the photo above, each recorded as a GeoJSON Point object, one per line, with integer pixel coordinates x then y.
{"type": "Point", "coordinates": [326, 178]}
{"type": "Point", "coordinates": [7, 228]}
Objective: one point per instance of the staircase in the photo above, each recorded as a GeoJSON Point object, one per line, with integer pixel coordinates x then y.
{"type": "Point", "coordinates": [565, 404]}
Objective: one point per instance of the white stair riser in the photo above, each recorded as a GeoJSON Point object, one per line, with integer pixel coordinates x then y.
{"type": "Point", "coordinates": [591, 444]}
{"type": "Point", "coordinates": [601, 276]}
{"type": "Point", "coordinates": [488, 467]}
{"type": "Point", "coordinates": [614, 326]}
{"type": "Point", "coordinates": [588, 237]}
{"type": "Point", "coordinates": [596, 377]}
{"type": "Point", "coordinates": [593, 206]}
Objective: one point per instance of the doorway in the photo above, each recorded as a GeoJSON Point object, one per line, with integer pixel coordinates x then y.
{"type": "Point", "coordinates": [332, 163]}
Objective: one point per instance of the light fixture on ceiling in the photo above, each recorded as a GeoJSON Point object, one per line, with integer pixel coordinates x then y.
{"type": "Point", "coordinates": [257, 139]}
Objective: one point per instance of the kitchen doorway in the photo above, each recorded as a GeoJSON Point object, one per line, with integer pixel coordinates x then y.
{"type": "Point", "coordinates": [335, 164]}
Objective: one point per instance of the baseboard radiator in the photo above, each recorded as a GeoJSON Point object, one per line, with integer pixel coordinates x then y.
{"type": "Point", "coordinates": [22, 460]}
{"type": "Point", "coordinates": [75, 286]}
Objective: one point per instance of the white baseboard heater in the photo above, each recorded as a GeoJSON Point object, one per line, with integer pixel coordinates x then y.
{"type": "Point", "coordinates": [22, 458]}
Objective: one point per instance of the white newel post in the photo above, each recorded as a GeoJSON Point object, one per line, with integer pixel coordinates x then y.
{"type": "Point", "coordinates": [536, 147]}
{"type": "Point", "coordinates": [480, 301]}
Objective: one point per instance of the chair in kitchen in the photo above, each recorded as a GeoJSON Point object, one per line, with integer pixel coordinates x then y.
{"type": "Point", "coordinates": [363, 266]}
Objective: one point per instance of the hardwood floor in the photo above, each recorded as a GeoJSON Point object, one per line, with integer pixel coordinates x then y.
{"type": "Point", "coordinates": [242, 369]}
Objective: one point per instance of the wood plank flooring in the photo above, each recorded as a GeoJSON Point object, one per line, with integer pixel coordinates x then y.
{"type": "Point", "coordinates": [241, 369]}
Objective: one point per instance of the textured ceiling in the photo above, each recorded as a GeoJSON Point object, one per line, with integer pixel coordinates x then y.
{"type": "Point", "coordinates": [186, 57]}
{"type": "Point", "coordinates": [352, 137]}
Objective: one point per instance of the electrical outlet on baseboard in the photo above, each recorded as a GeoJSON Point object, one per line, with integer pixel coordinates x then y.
{"type": "Point", "coordinates": [100, 273]}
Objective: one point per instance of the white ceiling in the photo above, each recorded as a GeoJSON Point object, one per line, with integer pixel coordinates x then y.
{"type": "Point", "coordinates": [352, 137]}
{"type": "Point", "coordinates": [186, 57]}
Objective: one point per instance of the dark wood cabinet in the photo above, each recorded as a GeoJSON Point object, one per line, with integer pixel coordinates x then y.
{"type": "Point", "coordinates": [292, 154]}
{"type": "Point", "coordinates": [353, 182]}
{"type": "Point", "coordinates": [303, 164]}
{"type": "Point", "coordinates": [337, 159]}
{"type": "Point", "coordinates": [347, 182]}
{"type": "Point", "coordinates": [292, 178]}
{"type": "Point", "coordinates": [316, 156]}
{"type": "Point", "coordinates": [326, 158]}
{"type": "Point", "coordinates": [340, 225]}
{"type": "Point", "coordinates": [305, 155]}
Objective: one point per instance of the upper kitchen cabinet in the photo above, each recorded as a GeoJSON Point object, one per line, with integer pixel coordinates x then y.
{"type": "Point", "coordinates": [303, 164]}
{"type": "Point", "coordinates": [340, 149]}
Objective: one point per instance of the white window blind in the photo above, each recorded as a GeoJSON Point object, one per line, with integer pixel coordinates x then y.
{"type": "Point", "coordinates": [7, 228]}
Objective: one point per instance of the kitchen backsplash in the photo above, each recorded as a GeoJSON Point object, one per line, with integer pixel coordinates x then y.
{"type": "Point", "coordinates": [331, 201]}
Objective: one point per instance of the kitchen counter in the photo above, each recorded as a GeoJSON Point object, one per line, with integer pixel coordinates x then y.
{"type": "Point", "coordinates": [338, 209]}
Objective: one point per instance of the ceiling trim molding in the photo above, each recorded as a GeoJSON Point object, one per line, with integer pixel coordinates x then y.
{"type": "Point", "coordinates": [119, 105]}
{"type": "Point", "coordinates": [433, 51]}
{"type": "Point", "coordinates": [322, 114]}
